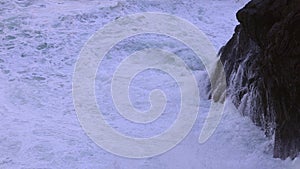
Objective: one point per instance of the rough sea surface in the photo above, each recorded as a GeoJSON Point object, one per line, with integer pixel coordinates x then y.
{"type": "Point", "coordinates": [40, 43]}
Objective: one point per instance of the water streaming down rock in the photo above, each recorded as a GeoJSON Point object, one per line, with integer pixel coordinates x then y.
{"type": "Point", "coordinates": [262, 65]}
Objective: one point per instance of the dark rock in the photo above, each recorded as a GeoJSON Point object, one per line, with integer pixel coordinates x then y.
{"type": "Point", "coordinates": [262, 66]}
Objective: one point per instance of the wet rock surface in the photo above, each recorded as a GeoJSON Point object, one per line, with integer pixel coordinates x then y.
{"type": "Point", "coordinates": [262, 65]}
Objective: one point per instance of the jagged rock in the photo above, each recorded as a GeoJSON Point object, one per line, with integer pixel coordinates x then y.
{"type": "Point", "coordinates": [262, 66]}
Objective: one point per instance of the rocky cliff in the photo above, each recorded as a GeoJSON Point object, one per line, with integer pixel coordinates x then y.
{"type": "Point", "coordinates": [262, 66]}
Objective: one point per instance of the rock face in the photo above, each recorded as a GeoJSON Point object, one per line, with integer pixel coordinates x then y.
{"type": "Point", "coordinates": [262, 66]}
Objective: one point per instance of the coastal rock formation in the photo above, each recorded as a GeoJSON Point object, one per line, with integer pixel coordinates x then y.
{"type": "Point", "coordinates": [262, 66]}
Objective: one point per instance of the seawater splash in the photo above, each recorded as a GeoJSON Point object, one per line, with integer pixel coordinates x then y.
{"type": "Point", "coordinates": [96, 48]}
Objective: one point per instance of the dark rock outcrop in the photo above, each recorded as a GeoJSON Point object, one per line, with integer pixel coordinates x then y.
{"type": "Point", "coordinates": [262, 66]}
